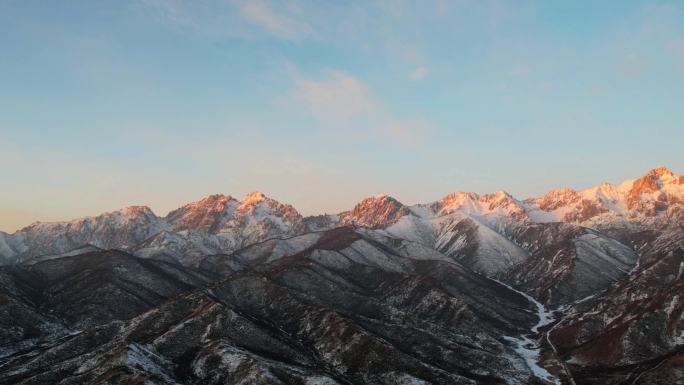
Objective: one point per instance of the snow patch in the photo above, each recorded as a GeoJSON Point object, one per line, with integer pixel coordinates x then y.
{"type": "Point", "coordinates": [526, 347]}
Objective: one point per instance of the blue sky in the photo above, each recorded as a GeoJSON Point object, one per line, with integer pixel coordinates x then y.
{"type": "Point", "coordinates": [105, 104]}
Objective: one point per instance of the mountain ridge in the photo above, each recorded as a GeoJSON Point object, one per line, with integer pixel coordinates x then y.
{"type": "Point", "coordinates": [650, 181]}
{"type": "Point", "coordinates": [436, 291]}
{"type": "Point", "coordinates": [227, 223]}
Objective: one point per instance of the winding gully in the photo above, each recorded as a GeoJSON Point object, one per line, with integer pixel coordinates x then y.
{"type": "Point", "coordinates": [526, 346]}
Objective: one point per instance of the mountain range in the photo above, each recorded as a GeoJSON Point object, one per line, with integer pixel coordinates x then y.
{"type": "Point", "coordinates": [573, 287]}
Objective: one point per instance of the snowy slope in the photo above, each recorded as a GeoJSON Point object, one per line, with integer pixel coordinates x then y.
{"type": "Point", "coordinates": [495, 234]}
{"type": "Point", "coordinates": [119, 229]}
{"type": "Point", "coordinates": [611, 254]}
{"type": "Point", "coordinates": [218, 223]}
{"type": "Point", "coordinates": [643, 199]}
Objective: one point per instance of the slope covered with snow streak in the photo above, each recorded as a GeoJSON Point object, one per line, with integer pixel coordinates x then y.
{"type": "Point", "coordinates": [529, 349]}
{"type": "Point", "coordinates": [215, 224]}
{"type": "Point", "coordinates": [344, 306]}
{"type": "Point", "coordinates": [609, 256]}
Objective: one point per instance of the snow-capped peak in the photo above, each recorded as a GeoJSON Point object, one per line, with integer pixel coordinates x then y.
{"type": "Point", "coordinates": [253, 197]}
{"type": "Point", "coordinates": [654, 191]}
{"type": "Point", "coordinates": [135, 210]}
{"type": "Point", "coordinates": [659, 193]}
{"type": "Point", "coordinates": [657, 178]}
{"type": "Point", "coordinates": [256, 203]}
{"type": "Point", "coordinates": [497, 197]}
{"type": "Point", "coordinates": [118, 217]}
{"type": "Point", "coordinates": [557, 198]}
{"type": "Point", "coordinates": [661, 171]}
{"type": "Point", "coordinates": [208, 214]}
{"type": "Point", "coordinates": [377, 211]}
{"type": "Point", "coordinates": [497, 203]}
{"type": "Point", "coordinates": [650, 194]}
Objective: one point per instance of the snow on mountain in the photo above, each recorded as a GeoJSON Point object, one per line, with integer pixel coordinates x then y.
{"type": "Point", "coordinates": [218, 223]}
{"type": "Point", "coordinates": [610, 256]}
{"type": "Point", "coordinates": [494, 235]}
{"type": "Point", "coordinates": [644, 198]}
{"type": "Point", "coordinates": [221, 224]}
{"type": "Point", "coordinates": [490, 233]}
{"type": "Point", "coordinates": [414, 228]}
{"type": "Point", "coordinates": [184, 246]}
{"type": "Point", "coordinates": [224, 214]}
{"type": "Point", "coordinates": [499, 203]}
{"type": "Point", "coordinates": [476, 245]}
{"type": "Point", "coordinates": [445, 226]}
{"type": "Point", "coordinates": [658, 192]}
{"type": "Point", "coordinates": [208, 214]}
{"type": "Point", "coordinates": [77, 251]}
{"type": "Point", "coordinates": [635, 326]}
{"type": "Point", "coordinates": [375, 212]}
{"type": "Point", "coordinates": [322, 222]}
{"type": "Point", "coordinates": [258, 217]}
{"type": "Point", "coordinates": [337, 307]}
{"type": "Point", "coordinates": [8, 247]}
{"type": "Point", "coordinates": [122, 229]}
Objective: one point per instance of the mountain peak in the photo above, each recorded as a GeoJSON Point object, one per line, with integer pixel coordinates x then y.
{"type": "Point", "coordinates": [497, 195]}
{"type": "Point", "coordinates": [661, 176]}
{"type": "Point", "coordinates": [208, 213]}
{"type": "Point", "coordinates": [654, 180]}
{"type": "Point", "coordinates": [376, 212]}
{"type": "Point", "coordinates": [458, 196]}
{"type": "Point", "coordinates": [558, 198]}
{"type": "Point", "coordinates": [129, 214]}
{"type": "Point", "coordinates": [660, 171]}
{"type": "Point", "coordinates": [213, 200]}
{"type": "Point", "coordinates": [135, 210]}
{"type": "Point", "coordinates": [253, 197]}
{"type": "Point", "coordinates": [655, 190]}
{"type": "Point", "coordinates": [380, 199]}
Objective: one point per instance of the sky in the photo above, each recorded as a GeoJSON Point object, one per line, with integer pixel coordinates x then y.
{"type": "Point", "coordinates": [111, 103]}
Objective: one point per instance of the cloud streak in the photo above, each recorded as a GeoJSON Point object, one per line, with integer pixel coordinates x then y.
{"type": "Point", "coordinates": [281, 22]}
{"type": "Point", "coordinates": [420, 73]}
{"type": "Point", "coordinates": [334, 95]}
{"type": "Point", "coordinates": [343, 101]}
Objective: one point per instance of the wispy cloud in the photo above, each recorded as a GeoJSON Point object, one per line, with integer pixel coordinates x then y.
{"type": "Point", "coordinates": [420, 73]}
{"type": "Point", "coordinates": [632, 65]}
{"type": "Point", "coordinates": [334, 95]}
{"type": "Point", "coordinates": [281, 22]}
{"type": "Point", "coordinates": [341, 100]}
{"type": "Point", "coordinates": [404, 132]}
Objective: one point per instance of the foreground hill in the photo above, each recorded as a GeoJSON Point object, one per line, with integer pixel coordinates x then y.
{"type": "Point", "coordinates": [340, 307]}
